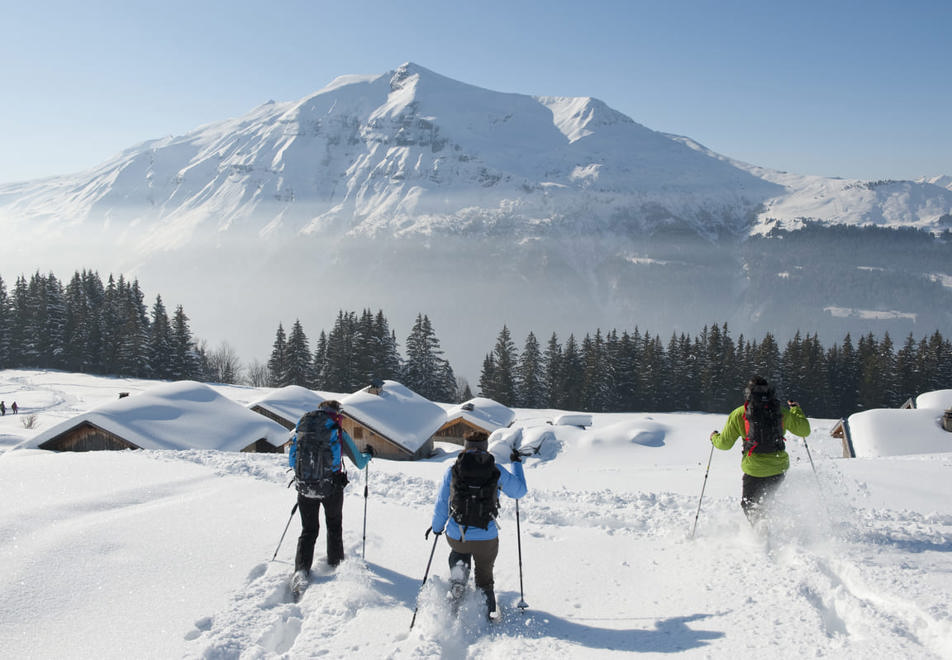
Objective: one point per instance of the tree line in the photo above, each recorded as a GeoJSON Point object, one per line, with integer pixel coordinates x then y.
{"type": "Point", "coordinates": [88, 326]}
{"type": "Point", "coordinates": [91, 326]}
{"type": "Point", "coordinates": [360, 349]}
{"type": "Point", "coordinates": [634, 371]}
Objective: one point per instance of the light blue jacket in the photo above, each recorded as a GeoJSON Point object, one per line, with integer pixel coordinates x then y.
{"type": "Point", "coordinates": [512, 484]}
{"type": "Point", "coordinates": [358, 458]}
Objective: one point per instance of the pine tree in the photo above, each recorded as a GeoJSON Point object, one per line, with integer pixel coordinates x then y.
{"type": "Point", "coordinates": [425, 371]}
{"type": "Point", "coordinates": [340, 372]}
{"type": "Point", "coordinates": [505, 358]}
{"type": "Point", "coordinates": [596, 374]}
{"type": "Point", "coordinates": [297, 357]}
{"type": "Point", "coordinates": [278, 364]}
{"type": "Point", "coordinates": [552, 372]}
{"type": "Point", "coordinates": [133, 341]}
{"type": "Point", "coordinates": [160, 342]}
{"type": "Point", "coordinates": [185, 360]}
{"type": "Point", "coordinates": [316, 375]}
{"type": "Point", "coordinates": [388, 366]}
{"type": "Point", "coordinates": [683, 389]}
{"type": "Point", "coordinates": [573, 376]}
{"type": "Point", "coordinates": [487, 377]}
{"type": "Point", "coordinates": [5, 323]}
{"type": "Point", "coordinates": [529, 375]}
{"type": "Point", "coordinates": [94, 296]}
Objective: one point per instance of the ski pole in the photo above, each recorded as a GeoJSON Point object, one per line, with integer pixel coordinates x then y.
{"type": "Point", "coordinates": [807, 447]}
{"type": "Point", "coordinates": [522, 601]}
{"type": "Point", "coordinates": [696, 515]}
{"type": "Point", "coordinates": [285, 530]}
{"type": "Point", "coordinates": [436, 538]}
{"type": "Point", "coordinates": [363, 552]}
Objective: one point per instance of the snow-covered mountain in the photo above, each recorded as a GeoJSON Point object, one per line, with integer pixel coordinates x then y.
{"type": "Point", "coordinates": [376, 185]}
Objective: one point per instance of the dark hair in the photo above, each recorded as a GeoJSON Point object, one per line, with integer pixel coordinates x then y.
{"type": "Point", "coordinates": [475, 436]}
{"type": "Point", "coordinates": [333, 404]}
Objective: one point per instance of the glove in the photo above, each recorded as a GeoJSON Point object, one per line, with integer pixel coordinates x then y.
{"type": "Point", "coordinates": [515, 456]}
{"type": "Point", "coordinates": [426, 535]}
{"type": "Point", "coordinates": [713, 433]}
{"type": "Point", "coordinates": [370, 450]}
{"type": "Point", "coordinates": [792, 403]}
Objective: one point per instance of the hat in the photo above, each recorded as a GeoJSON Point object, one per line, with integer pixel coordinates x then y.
{"type": "Point", "coordinates": [476, 440]}
{"type": "Point", "coordinates": [758, 388]}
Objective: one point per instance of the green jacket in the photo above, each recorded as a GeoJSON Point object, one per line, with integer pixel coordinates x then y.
{"type": "Point", "coordinates": [761, 465]}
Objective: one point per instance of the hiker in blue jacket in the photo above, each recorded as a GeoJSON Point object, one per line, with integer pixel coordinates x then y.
{"type": "Point", "coordinates": [475, 537]}
{"type": "Point", "coordinates": [309, 507]}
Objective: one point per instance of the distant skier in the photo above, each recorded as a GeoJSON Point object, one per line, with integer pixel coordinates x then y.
{"type": "Point", "coordinates": [317, 450]}
{"type": "Point", "coordinates": [761, 423]}
{"type": "Point", "coordinates": [3, 409]}
{"type": "Point", "coordinates": [14, 408]}
{"type": "Point", "coordinates": [466, 507]}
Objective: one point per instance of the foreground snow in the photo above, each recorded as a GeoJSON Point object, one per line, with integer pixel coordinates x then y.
{"type": "Point", "coordinates": [166, 553]}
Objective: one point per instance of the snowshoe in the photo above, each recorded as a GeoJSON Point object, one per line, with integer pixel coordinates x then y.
{"type": "Point", "coordinates": [299, 583]}
{"type": "Point", "coordinates": [455, 595]}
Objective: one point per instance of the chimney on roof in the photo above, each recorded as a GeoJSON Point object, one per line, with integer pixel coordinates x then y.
{"type": "Point", "coordinates": [947, 420]}
{"type": "Point", "coordinates": [376, 386]}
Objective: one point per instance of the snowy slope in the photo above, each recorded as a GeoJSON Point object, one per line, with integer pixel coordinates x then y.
{"type": "Point", "coordinates": [158, 554]}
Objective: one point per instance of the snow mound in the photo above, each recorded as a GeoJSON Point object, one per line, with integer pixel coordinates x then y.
{"type": "Point", "coordinates": [888, 432]}
{"type": "Point", "coordinates": [641, 432]}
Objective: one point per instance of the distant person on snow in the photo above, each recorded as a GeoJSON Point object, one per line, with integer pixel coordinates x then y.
{"type": "Point", "coordinates": [3, 409]}
{"type": "Point", "coordinates": [466, 507]}
{"type": "Point", "coordinates": [14, 408]}
{"type": "Point", "coordinates": [761, 423]}
{"type": "Point", "coordinates": [330, 479]}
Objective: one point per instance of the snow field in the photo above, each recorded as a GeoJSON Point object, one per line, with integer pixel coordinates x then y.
{"type": "Point", "coordinates": [161, 554]}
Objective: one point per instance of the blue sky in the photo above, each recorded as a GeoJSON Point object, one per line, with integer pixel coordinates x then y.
{"type": "Point", "coordinates": [853, 89]}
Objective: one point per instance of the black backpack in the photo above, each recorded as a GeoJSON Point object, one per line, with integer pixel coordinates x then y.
{"type": "Point", "coordinates": [314, 473]}
{"type": "Point", "coordinates": [474, 490]}
{"type": "Point", "coordinates": [763, 423]}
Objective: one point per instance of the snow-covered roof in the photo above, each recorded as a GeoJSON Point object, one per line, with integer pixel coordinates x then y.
{"type": "Point", "coordinates": [939, 399]}
{"type": "Point", "coordinates": [179, 415]}
{"type": "Point", "coordinates": [482, 412]}
{"type": "Point", "coordinates": [398, 413]}
{"type": "Point", "coordinates": [573, 419]}
{"type": "Point", "coordinates": [892, 432]}
{"type": "Point", "coordinates": [289, 402]}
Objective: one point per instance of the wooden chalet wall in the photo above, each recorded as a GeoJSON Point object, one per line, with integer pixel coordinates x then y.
{"type": "Point", "coordinates": [455, 430]}
{"type": "Point", "coordinates": [384, 447]}
{"type": "Point", "coordinates": [262, 446]}
{"type": "Point", "coordinates": [87, 437]}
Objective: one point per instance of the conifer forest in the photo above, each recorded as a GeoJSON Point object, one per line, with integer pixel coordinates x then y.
{"type": "Point", "coordinates": [91, 326]}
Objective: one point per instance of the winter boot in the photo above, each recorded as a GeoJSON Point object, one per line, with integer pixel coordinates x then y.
{"type": "Point", "coordinates": [490, 603]}
{"type": "Point", "coordinates": [299, 583]}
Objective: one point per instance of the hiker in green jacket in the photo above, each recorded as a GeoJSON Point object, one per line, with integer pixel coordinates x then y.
{"type": "Point", "coordinates": [761, 422]}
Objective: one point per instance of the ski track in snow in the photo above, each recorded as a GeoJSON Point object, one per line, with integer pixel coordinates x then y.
{"type": "Point", "coordinates": [831, 579]}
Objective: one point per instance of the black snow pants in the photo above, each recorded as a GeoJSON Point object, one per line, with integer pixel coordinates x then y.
{"type": "Point", "coordinates": [310, 527]}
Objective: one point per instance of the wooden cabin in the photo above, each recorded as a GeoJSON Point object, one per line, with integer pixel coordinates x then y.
{"type": "Point", "coordinates": [398, 423]}
{"type": "Point", "coordinates": [363, 434]}
{"type": "Point", "coordinates": [174, 416]}
{"type": "Point", "coordinates": [841, 430]}
{"type": "Point", "coordinates": [478, 414]}
{"type": "Point", "coordinates": [86, 436]}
